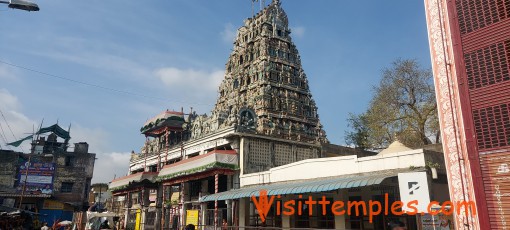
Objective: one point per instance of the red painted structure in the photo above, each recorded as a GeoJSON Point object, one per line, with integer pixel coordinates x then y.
{"type": "Point", "coordinates": [470, 49]}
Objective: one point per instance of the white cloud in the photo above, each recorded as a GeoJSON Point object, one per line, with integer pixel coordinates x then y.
{"type": "Point", "coordinates": [20, 124]}
{"type": "Point", "coordinates": [229, 33]}
{"type": "Point", "coordinates": [6, 73]}
{"type": "Point", "coordinates": [197, 88]}
{"type": "Point", "coordinates": [97, 138]}
{"type": "Point", "coordinates": [298, 31]}
{"type": "Point", "coordinates": [110, 165]}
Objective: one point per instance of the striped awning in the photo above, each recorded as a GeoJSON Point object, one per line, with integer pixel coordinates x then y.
{"type": "Point", "coordinates": [307, 186]}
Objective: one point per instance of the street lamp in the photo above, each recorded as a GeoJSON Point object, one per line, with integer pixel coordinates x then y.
{"type": "Point", "coordinates": [21, 5]}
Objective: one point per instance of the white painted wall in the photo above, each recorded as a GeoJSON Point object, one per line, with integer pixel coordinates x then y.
{"type": "Point", "coordinates": [336, 166]}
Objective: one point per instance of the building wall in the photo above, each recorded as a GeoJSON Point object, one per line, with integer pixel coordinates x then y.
{"type": "Point", "coordinates": [79, 172]}
{"type": "Point", "coordinates": [350, 165]}
{"type": "Point", "coordinates": [8, 168]}
{"type": "Point", "coordinates": [261, 154]}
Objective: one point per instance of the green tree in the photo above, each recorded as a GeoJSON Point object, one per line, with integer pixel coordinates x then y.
{"type": "Point", "coordinates": [403, 106]}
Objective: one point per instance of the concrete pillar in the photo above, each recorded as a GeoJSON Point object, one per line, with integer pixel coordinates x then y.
{"type": "Point", "coordinates": [159, 206]}
{"type": "Point", "coordinates": [127, 206]}
{"type": "Point", "coordinates": [203, 213]}
{"type": "Point", "coordinates": [184, 197]}
{"type": "Point", "coordinates": [244, 212]}
{"type": "Point", "coordinates": [242, 158]}
{"type": "Point", "coordinates": [229, 212]}
{"type": "Point", "coordinates": [166, 210]}
{"type": "Point", "coordinates": [341, 195]}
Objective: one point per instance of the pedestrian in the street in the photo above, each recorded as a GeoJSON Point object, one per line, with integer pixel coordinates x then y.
{"type": "Point", "coordinates": [396, 225]}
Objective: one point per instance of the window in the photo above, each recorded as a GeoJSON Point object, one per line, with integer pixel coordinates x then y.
{"type": "Point", "coordinates": [66, 187]}
{"type": "Point", "coordinates": [69, 161]}
{"type": "Point", "coordinates": [194, 188]}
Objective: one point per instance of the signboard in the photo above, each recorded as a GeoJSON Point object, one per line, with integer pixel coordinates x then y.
{"type": "Point", "coordinates": [435, 222]}
{"type": "Point", "coordinates": [495, 169]}
{"type": "Point", "coordinates": [414, 187]}
{"type": "Point", "coordinates": [39, 177]}
{"type": "Point", "coordinates": [53, 205]}
{"type": "Point", "coordinates": [192, 217]}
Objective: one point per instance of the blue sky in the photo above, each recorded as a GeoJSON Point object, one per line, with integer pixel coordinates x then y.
{"type": "Point", "coordinates": [174, 53]}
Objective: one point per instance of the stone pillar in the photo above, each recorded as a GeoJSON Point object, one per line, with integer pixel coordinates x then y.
{"type": "Point", "coordinates": [341, 195]}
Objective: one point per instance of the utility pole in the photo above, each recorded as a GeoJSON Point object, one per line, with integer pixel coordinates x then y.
{"type": "Point", "coordinates": [99, 205]}
{"type": "Point", "coordinates": [27, 165]}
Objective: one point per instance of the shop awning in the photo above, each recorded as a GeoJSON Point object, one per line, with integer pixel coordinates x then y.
{"type": "Point", "coordinates": [305, 186]}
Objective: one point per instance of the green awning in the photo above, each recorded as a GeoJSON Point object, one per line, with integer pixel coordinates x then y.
{"type": "Point", "coordinates": [305, 186]}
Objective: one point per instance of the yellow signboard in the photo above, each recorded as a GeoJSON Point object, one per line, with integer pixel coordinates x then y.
{"type": "Point", "coordinates": [192, 217]}
{"type": "Point", "coordinates": [53, 205]}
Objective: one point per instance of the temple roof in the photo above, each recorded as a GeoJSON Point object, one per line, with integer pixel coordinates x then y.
{"type": "Point", "coordinates": [395, 147]}
{"type": "Point", "coordinates": [172, 119]}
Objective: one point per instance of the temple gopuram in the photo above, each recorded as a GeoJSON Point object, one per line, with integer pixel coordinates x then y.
{"type": "Point", "coordinates": [264, 117]}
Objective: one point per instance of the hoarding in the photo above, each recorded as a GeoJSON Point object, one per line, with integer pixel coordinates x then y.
{"type": "Point", "coordinates": [38, 176]}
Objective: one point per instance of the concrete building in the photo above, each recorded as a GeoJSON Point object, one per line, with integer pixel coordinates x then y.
{"type": "Point", "coordinates": [366, 179]}
{"type": "Point", "coordinates": [50, 179]}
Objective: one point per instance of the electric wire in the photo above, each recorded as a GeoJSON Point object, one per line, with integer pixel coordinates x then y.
{"type": "Point", "coordinates": [7, 123]}
{"type": "Point", "coordinates": [4, 137]}
{"type": "Point", "coordinates": [101, 87]}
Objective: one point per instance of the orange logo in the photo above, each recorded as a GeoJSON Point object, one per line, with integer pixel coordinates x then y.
{"type": "Point", "coordinates": [263, 204]}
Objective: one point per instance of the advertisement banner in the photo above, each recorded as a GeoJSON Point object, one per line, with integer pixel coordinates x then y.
{"type": "Point", "coordinates": [38, 177]}
{"type": "Point", "coordinates": [435, 222]}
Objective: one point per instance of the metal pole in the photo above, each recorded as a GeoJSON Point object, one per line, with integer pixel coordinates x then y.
{"type": "Point", "coordinates": [25, 182]}
{"type": "Point", "coordinates": [99, 205]}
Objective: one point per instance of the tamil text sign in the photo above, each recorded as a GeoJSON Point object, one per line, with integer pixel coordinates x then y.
{"type": "Point", "coordinates": [37, 177]}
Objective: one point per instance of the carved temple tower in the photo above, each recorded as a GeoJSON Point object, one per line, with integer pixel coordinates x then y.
{"type": "Point", "coordinates": [265, 90]}
{"type": "Point", "coordinates": [264, 117]}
